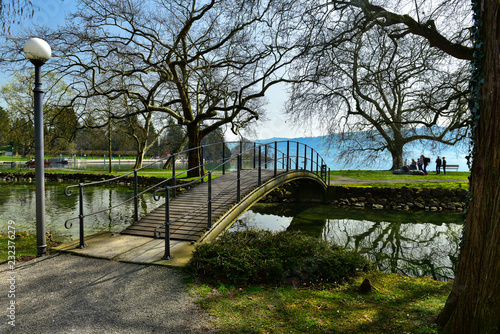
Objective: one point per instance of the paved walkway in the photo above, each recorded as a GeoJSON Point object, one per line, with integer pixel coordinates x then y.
{"type": "Point", "coordinates": [64, 293]}
{"type": "Point", "coordinates": [132, 249]}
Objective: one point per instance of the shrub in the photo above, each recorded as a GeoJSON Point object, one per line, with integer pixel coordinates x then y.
{"type": "Point", "coordinates": [266, 257]}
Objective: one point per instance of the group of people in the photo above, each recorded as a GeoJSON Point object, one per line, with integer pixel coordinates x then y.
{"type": "Point", "coordinates": [423, 162]}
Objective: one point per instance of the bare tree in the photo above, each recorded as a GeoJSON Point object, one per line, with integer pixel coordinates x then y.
{"type": "Point", "coordinates": [473, 305]}
{"type": "Point", "coordinates": [13, 11]}
{"type": "Point", "coordinates": [204, 64]}
{"type": "Point", "coordinates": [445, 25]}
{"type": "Point", "coordinates": [377, 93]}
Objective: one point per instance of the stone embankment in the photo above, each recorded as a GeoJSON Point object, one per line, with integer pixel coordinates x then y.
{"type": "Point", "coordinates": [143, 181]}
{"type": "Point", "coordinates": [429, 199]}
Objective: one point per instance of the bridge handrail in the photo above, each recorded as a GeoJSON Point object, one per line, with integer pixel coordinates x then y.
{"type": "Point", "coordinates": [225, 161]}
{"type": "Point", "coordinates": [166, 224]}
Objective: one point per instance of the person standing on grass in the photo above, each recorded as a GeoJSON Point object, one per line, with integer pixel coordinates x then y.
{"type": "Point", "coordinates": [425, 161]}
{"type": "Point", "coordinates": [438, 165]}
{"type": "Point", "coordinates": [444, 165]}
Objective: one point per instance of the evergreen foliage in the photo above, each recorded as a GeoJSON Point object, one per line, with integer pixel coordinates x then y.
{"type": "Point", "coordinates": [266, 257]}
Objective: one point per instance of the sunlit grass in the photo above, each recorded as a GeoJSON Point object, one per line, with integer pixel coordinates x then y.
{"type": "Point", "coordinates": [22, 245]}
{"type": "Point", "coordinates": [387, 175]}
{"type": "Point", "coordinates": [397, 304]}
{"type": "Point", "coordinates": [444, 185]}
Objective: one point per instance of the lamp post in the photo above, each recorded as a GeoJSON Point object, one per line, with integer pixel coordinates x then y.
{"type": "Point", "coordinates": [38, 52]}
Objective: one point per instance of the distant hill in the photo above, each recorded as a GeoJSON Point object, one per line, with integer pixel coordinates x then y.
{"type": "Point", "coordinates": [453, 156]}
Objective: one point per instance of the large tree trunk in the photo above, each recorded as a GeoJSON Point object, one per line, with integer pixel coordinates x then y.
{"type": "Point", "coordinates": [140, 157]}
{"type": "Point", "coordinates": [397, 156]}
{"type": "Point", "coordinates": [195, 160]}
{"type": "Point", "coordinates": [474, 303]}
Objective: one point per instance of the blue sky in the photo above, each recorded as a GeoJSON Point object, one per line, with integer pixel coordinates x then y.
{"type": "Point", "coordinates": [51, 13]}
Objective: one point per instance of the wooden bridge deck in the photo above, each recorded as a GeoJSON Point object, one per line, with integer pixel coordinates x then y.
{"type": "Point", "coordinates": [191, 226]}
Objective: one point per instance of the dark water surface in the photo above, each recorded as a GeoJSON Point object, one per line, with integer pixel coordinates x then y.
{"type": "Point", "coordinates": [17, 203]}
{"type": "Point", "coordinates": [410, 243]}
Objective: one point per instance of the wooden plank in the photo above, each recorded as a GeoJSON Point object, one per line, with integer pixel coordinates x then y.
{"type": "Point", "coordinates": [194, 224]}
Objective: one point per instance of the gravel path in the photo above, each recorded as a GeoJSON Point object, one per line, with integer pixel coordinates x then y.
{"type": "Point", "coordinates": [65, 293]}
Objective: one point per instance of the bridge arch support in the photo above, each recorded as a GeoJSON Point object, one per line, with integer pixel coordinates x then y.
{"type": "Point", "coordinates": [313, 189]}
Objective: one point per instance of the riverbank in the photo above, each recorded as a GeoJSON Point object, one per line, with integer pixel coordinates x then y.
{"type": "Point", "coordinates": [417, 197]}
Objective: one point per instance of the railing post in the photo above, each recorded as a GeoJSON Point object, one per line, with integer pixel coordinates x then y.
{"type": "Point", "coordinates": [275, 158]}
{"type": "Point", "coordinates": [173, 176]}
{"type": "Point", "coordinates": [265, 156]}
{"type": "Point", "coordinates": [202, 164]}
{"type": "Point", "coordinates": [282, 160]}
{"type": "Point", "coordinates": [317, 163]}
{"type": "Point", "coordinates": [238, 183]}
{"type": "Point", "coordinates": [259, 181]}
{"type": "Point", "coordinates": [254, 145]}
{"type": "Point", "coordinates": [323, 164]}
{"type": "Point", "coordinates": [209, 200]}
{"type": "Point", "coordinates": [328, 178]}
{"type": "Point", "coordinates": [312, 160]}
{"type": "Point", "coordinates": [223, 159]}
{"type": "Point", "coordinates": [297, 162]}
{"type": "Point", "coordinates": [287, 155]}
{"type": "Point", "coordinates": [305, 157]}
{"type": "Point", "coordinates": [82, 219]}
{"type": "Point", "coordinates": [241, 152]}
{"type": "Point", "coordinates": [167, 255]}
{"type": "Point", "coordinates": [136, 198]}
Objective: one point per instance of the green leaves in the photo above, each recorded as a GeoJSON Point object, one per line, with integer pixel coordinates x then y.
{"type": "Point", "coordinates": [265, 257]}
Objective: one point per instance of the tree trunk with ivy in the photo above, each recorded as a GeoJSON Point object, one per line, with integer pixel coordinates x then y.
{"type": "Point", "coordinates": [474, 303]}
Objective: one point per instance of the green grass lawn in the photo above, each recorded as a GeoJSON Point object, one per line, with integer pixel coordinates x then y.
{"type": "Point", "coordinates": [387, 175]}
{"type": "Point", "coordinates": [20, 244]}
{"type": "Point", "coordinates": [433, 185]}
{"type": "Point", "coordinates": [451, 180]}
{"type": "Point", "coordinates": [397, 304]}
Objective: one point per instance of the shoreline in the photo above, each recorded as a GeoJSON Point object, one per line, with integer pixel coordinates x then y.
{"type": "Point", "coordinates": [338, 194]}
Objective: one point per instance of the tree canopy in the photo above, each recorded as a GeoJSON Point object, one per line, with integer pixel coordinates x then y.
{"type": "Point", "coordinates": [376, 93]}
{"type": "Point", "coordinates": [205, 64]}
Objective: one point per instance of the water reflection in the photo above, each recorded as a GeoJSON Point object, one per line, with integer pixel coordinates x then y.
{"type": "Point", "coordinates": [414, 244]}
{"type": "Point", "coordinates": [17, 203]}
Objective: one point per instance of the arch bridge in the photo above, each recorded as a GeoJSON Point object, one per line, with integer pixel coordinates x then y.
{"type": "Point", "coordinates": [242, 176]}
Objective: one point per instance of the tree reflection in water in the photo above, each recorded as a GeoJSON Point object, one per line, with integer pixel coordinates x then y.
{"type": "Point", "coordinates": [410, 243]}
{"type": "Point", "coordinates": [413, 249]}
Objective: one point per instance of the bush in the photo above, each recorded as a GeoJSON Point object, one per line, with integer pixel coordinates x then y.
{"type": "Point", "coordinates": [266, 257]}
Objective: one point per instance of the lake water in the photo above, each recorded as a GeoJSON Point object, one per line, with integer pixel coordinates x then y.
{"type": "Point", "coordinates": [17, 203]}
{"type": "Point", "coordinates": [414, 244]}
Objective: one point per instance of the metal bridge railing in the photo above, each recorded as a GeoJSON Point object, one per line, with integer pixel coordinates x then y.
{"type": "Point", "coordinates": [268, 155]}
{"type": "Point", "coordinates": [287, 162]}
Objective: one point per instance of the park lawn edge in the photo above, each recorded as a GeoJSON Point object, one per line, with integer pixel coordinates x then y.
{"type": "Point", "coordinates": [396, 304]}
